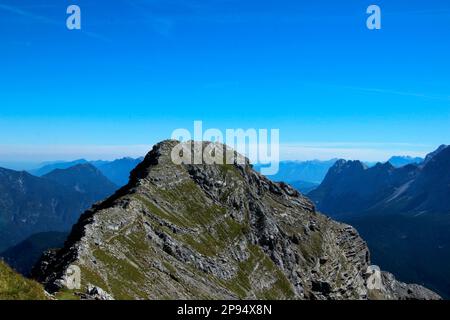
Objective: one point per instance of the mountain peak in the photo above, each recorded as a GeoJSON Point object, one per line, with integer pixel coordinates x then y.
{"type": "Point", "coordinates": [385, 166]}
{"type": "Point", "coordinates": [80, 167]}
{"type": "Point", "coordinates": [50, 166]}
{"type": "Point", "coordinates": [160, 154]}
{"type": "Point", "coordinates": [210, 231]}
{"type": "Point", "coordinates": [431, 155]}
{"type": "Point", "coordinates": [347, 166]}
{"type": "Point", "coordinates": [400, 161]}
{"type": "Point", "coordinates": [83, 178]}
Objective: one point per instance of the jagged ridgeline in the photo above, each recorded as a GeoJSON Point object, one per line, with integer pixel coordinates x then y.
{"type": "Point", "coordinates": [213, 232]}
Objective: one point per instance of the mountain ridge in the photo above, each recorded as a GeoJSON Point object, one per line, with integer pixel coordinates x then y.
{"type": "Point", "coordinates": [117, 171]}
{"type": "Point", "coordinates": [83, 178]}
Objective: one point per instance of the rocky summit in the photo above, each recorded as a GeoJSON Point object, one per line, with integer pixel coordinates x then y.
{"type": "Point", "coordinates": [213, 232]}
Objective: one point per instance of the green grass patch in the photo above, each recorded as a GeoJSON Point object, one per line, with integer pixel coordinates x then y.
{"type": "Point", "coordinates": [259, 263]}
{"type": "Point", "coordinates": [15, 287]}
{"type": "Point", "coordinates": [312, 248]}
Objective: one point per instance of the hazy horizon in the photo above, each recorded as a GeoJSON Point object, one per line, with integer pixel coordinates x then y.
{"type": "Point", "coordinates": [26, 159]}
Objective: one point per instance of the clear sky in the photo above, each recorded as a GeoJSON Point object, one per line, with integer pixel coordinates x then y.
{"type": "Point", "coordinates": [139, 69]}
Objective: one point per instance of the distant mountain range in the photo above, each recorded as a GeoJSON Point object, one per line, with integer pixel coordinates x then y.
{"type": "Point", "coordinates": [304, 186]}
{"type": "Point", "coordinates": [308, 171]}
{"type": "Point", "coordinates": [48, 167]}
{"type": "Point", "coordinates": [85, 179]}
{"type": "Point", "coordinates": [116, 171]}
{"type": "Point", "coordinates": [307, 175]}
{"type": "Point", "coordinates": [53, 202]}
{"type": "Point", "coordinates": [403, 213]}
{"type": "Point", "coordinates": [400, 161]}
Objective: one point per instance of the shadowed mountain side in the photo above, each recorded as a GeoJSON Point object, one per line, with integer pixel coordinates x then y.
{"type": "Point", "coordinates": [30, 205]}
{"type": "Point", "coordinates": [23, 256]}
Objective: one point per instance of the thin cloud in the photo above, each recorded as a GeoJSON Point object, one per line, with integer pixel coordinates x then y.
{"type": "Point", "coordinates": [27, 14]}
{"type": "Point", "coordinates": [398, 93]}
{"type": "Point", "coordinates": [38, 153]}
{"type": "Point", "coordinates": [160, 24]}
{"type": "Point", "coordinates": [408, 13]}
{"type": "Point", "coordinates": [347, 144]}
{"type": "Point", "coordinates": [371, 151]}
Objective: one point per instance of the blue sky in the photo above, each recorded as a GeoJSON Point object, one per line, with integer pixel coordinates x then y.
{"type": "Point", "coordinates": [139, 69]}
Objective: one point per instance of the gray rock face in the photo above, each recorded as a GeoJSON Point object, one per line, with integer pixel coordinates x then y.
{"type": "Point", "coordinates": [96, 293]}
{"type": "Point", "coordinates": [214, 232]}
{"type": "Point", "coordinates": [398, 290]}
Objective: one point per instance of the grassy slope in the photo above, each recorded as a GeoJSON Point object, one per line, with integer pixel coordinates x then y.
{"type": "Point", "coordinates": [15, 287]}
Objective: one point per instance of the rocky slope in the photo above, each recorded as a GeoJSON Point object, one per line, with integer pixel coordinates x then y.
{"type": "Point", "coordinates": [214, 232]}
